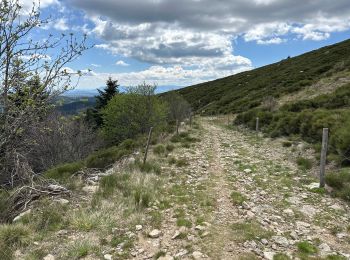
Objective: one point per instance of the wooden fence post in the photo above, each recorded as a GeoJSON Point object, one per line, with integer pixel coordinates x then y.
{"type": "Point", "coordinates": [147, 146]}
{"type": "Point", "coordinates": [323, 157]}
{"type": "Point", "coordinates": [257, 124]}
{"type": "Point", "coordinates": [177, 126]}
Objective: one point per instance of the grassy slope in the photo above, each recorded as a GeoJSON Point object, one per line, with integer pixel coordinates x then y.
{"type": "Point", "coordinates": [310, 92]}
{"type": "Point", "coordinates": [247, 90]}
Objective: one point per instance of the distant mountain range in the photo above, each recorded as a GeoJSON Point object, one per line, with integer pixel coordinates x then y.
{"type": "Point", "coordinates": [81, 93]}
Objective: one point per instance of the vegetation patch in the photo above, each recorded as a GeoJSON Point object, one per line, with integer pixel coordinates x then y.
{"type": "Point", "coordinates": [251, 230]}
{"type": "Point", "coordinates": [304, 163]}
{"type": "Point", "coordinates": [237, 198]}
{"type": "Point", "coordinates": [306, 248]}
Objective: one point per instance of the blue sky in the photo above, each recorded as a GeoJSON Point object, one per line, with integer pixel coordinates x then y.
{"type": "Point", "coordinates": [184, 42]}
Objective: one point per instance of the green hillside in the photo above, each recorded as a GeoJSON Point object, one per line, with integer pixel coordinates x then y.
{"type": "Point", "coordinates": [295, 98]}
{"type": "Point", "coordinates": [247, 90]}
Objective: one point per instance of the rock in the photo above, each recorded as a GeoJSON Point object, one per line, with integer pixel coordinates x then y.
{"type": "Point", "coordinates": [90, 189]}
{"type": "Point", "coordinates": [131, 160]}
{"type": "Point", "coordinates": [341, 235]}
{"type": "Point", "coordinates": [56, 187]}
{"type": "Point", "coordinates": [247, 170]}
{"type": "Point", "coordinates": [63, 201]}
{"type": "Point", "coordinates": [107, 257]}
{"type": "Point", "coordinates": [294, 235]}
{"type": "Point", "coordinates": [289, 212]}
{"type": "Point", "coordinates": [176, 235]}
{"type": "Point", "coordinates": [181, 253]}
{"type": "Point", "coordinates": [155, 233]}
{"type": "Point", "coordinates": [324, 249]}
{"type": "Point", "coordinates": [49, 257]}
{"type": "Point", "coordinates": [206, 233]}
{"type": "Point", "coordinates": [20, 216]}
{"type": "Point", "coordinates": [282, 241]}
{"type": "Point", "coordinates": [199, 227]}
{"type": "Point", "coordinates": [336, 207]}
{"type": "Point", "coordinates": [138, 227]}
{"type": "Point", "coordinates": [264, 241]}
{"type": "Point", "coordinates": [269, 255]}
{"type": "Point", "coordinates": [308, 210]}
{"type": "Point", "coordinates": [301, 224]}
{"type": "Point", "coordinates": [197, 255]}
{"type": "Point", "coordinates": [313, 185]}
{"type": "Point", "coordinates": [250, 214]}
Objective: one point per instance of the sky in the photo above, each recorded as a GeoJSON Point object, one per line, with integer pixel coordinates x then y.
{"type": "Point", "coordinates": [176, 43]}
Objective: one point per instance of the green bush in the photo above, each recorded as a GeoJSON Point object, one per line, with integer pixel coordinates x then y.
{"type": "Point", "coordinates": [237, 198]}
{"type": "Point", "coordinates": [49, 218]}
{"type": "Point", "coordinates": [306, 248]}
{"type": "Point", "coordinates": [132, 114]}
{"type": "Point", "coordinates": [159, 149]}
{"type": "Point", "coordinates": [304, 163]}
{"type": "Point", "coordinates": [14, 235]}
{"type": "Point", "coordinates": [170, 147]}
{"type": "Point", "coordinates": [65, 171]}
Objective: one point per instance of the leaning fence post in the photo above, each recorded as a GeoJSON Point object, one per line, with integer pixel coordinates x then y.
{"type": "Point", "coordinates": [323, 156]}
{"type": "Point", "coordinates": [257, 124]}
{"type": "Point", "coordinates": [147, 146]}
{"type": "Point", "coordinates": [177, 126]}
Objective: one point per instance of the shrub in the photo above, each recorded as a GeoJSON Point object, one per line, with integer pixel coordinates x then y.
{"type": "Point", "coordinates": [142, 197]}
{"type": "Point", "coordinates": [159, 149]}
{"type": "Point", "coordinates": [237, 198]}
{"type": "Point", "coordinates": [148, 167]}
{"type": "Point", "coordinates": [79, 250]}
{"type": "Point", "coordinates": [306, 247]}
{"type": "Point", "coordinates": [181, 162]}
{"type": "Point", "coordinates": [183, 222]}
{"type": "Point", "coordinates": [170, 147]}
{"type": "Point", "coordinates": [287, 144]}
{"type": "Point", "coordinates": [65, 171]}
{"type": "Point", "coordinates": [334, 180]}
{"type": "Point", "coordinates": [281, 256]}
{"type": "Point", "coordinates": [175, 139]}
{"type": "Point", "coordinates": [14, 235]}
{"type": "Point", "coordinates": [304, 163]}
{"type": "Point", "coordinates": [49, 218]}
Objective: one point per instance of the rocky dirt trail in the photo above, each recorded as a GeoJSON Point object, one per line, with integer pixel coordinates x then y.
{"type": "Point", "coordinates": [236, 195]}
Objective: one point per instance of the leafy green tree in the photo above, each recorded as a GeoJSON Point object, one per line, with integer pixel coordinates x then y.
{"type": "Point", "coordinates": [131, 114]}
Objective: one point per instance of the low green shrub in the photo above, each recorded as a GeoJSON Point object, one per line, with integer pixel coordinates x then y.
{"type": "Point", "coordinates": [106, 157]}
{"type": "Point", "coordinates": [49, 218]}
{"type": "Point", "coordinates": [306, 248]}
{"type": "Point", "coordinates": [148, 167]}
{"type": "Point", "coordinates": [65, 171]}
{"type": "Point", "coordinates": [304, 163]}
{"type": "Point", "coordinates": [281, 256]}
{"type": "Point", "coordinates": [237, 198]}
{"type": "Point", "coordinates": [181, 162]}
{"type": "Point", "coordinates": [13, 236]}
{"type": "Point", "coordinates": [159, 149]}
{"type": "Point", "coordinates": [170, 147]}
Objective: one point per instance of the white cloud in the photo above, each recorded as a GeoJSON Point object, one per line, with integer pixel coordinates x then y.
{"type": "Point", "coordinates": [27, 5]}
{"type": "Point", "coordinates": [160, 75]}
{"type": "Point", "coordinates": [122, 63]}
{"type": "Point", "coordinates": [193, 38]}
{"type": "Point", "coordinates": [95, 65]}
{"type": "Point", "coordinates": [60, 24]}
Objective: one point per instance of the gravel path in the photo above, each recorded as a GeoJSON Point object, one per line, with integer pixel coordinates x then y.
{"type": "Point", "coordinates": [242, 196]}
